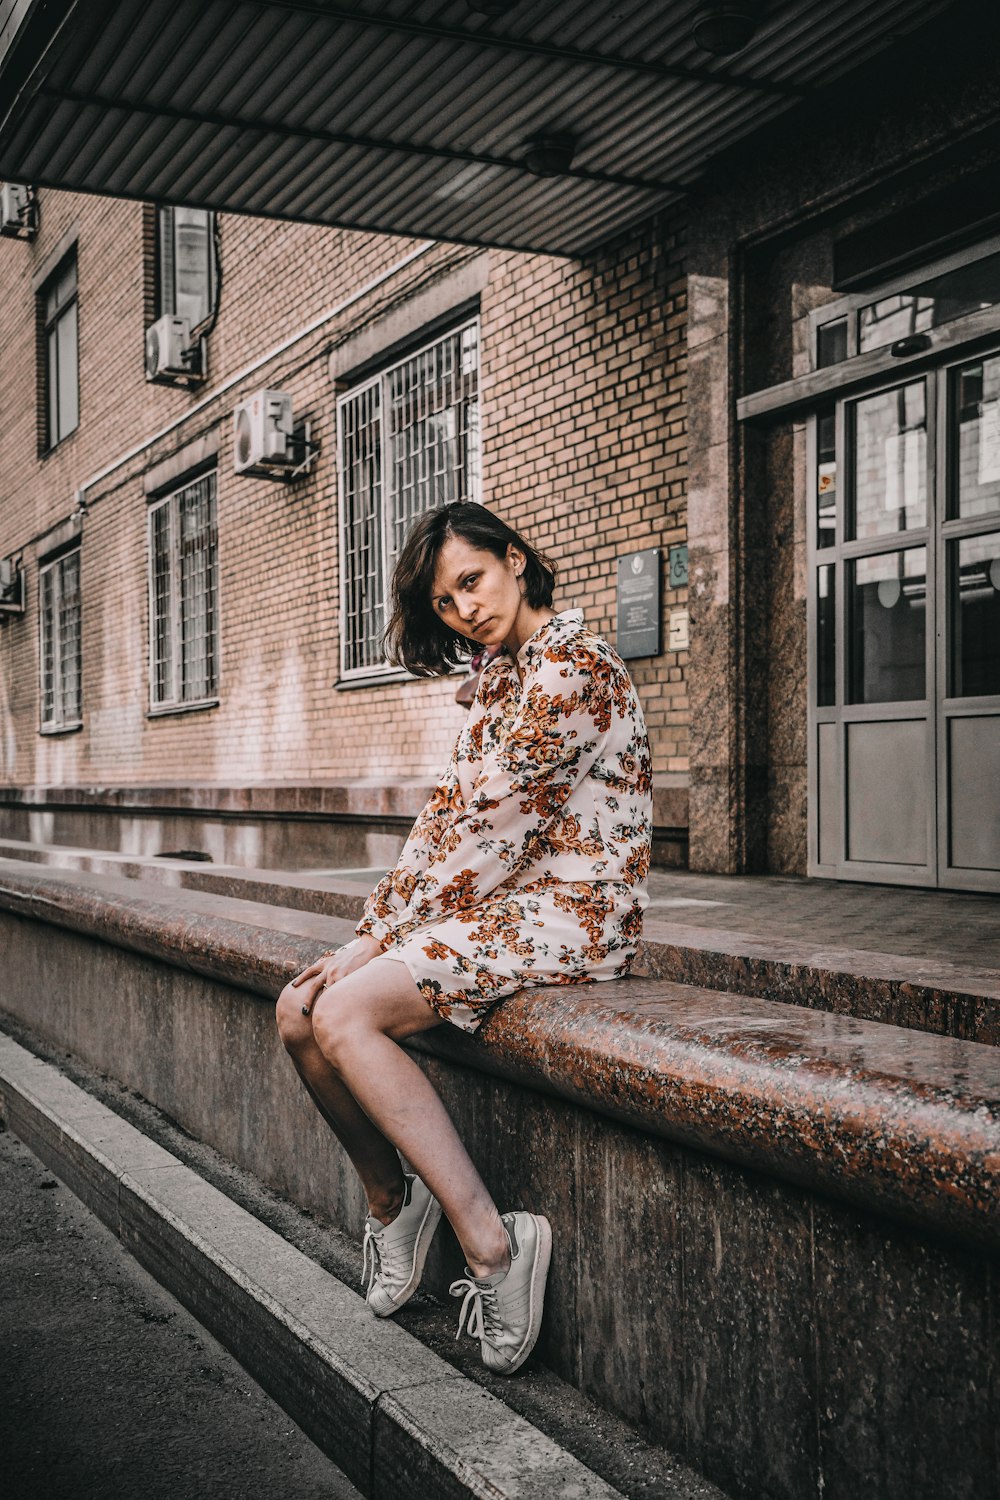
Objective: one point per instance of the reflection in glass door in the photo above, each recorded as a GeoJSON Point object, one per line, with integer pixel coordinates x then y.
{"type": "Point", "coordinates": [904, 619]}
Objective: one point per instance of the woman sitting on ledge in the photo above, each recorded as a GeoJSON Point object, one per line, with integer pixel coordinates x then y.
{"type": "Point", "coordinates": [527, 867]}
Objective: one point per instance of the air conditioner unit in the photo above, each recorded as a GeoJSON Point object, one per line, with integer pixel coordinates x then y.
{"type": "Point", "coordinates": [17, 211]}
{"type": "Point", "coordinates": [170, 355]}
{"type": "Point", "coordinates": [263, 434]}
{"type": "Point", "coordinates": [11, 587]}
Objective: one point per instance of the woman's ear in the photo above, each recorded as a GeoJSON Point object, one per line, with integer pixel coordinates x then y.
{"type": "Point", "coordinates": [516, 559]}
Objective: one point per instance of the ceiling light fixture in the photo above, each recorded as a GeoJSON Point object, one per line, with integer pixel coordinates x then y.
{"type": "Point", "coordinates": [725, 26]}
{"type": "Point", "coordinates": [550, 153]}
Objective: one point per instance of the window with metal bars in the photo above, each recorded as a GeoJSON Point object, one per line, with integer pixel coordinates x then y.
{"type": "Point", "coordinates": [183, 595]}
{"type": "Point", "coordinates": [408, 441]}
{"type": "Point", "coordinates": [60, 651]}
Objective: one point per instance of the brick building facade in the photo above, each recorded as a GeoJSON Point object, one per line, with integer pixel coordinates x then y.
{"type": "Point", "coordinates": [781, 355]}
{"type": "Point", "coordinates": [581, 395]}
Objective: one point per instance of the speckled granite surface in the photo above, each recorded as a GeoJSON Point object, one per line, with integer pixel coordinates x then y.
{"type": "Point", "coordinates": [907, 1124]}
{"type": "Point", "coordinates": [903, 1123]}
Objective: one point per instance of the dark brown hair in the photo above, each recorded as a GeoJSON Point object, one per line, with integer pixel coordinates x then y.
{"type": "Point", "coordinates": [416, 637]}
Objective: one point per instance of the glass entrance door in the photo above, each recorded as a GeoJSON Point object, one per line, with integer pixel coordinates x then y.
{"type": "Point", "coordinates": [904, 608]}
{"type": "Point", "coordinates": [968, 607]}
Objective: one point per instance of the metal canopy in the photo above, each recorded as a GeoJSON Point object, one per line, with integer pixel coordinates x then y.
{"type": "Point", "coordinates": [407, 116]}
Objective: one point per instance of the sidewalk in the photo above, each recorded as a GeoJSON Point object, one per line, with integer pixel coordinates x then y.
{"type": "Point", "coordinates": [949, 927]}
{"type": "Point", "coordinates": [108, 1387]}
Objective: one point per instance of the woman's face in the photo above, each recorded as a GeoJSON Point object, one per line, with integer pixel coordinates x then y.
{"type": "Point", "coordinates": [479, 595]}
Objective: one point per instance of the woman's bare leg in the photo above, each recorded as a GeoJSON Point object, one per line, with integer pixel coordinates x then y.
{"type": "Point", "coordinates": [375, 1159]}
{"type": "Point", "coordinates": [357, 1025]}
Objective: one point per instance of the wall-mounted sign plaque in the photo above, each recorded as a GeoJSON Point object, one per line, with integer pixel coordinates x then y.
{"type": "Point", "coordinates": [639, 613]}
{"type": "Point", "coordinates": [677, 566]}
{"type": "Point", "coordinates": [678, 630]}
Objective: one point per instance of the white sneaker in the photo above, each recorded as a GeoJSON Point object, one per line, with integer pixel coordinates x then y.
{"type": "Point", "coordinates": [394, 1254]}
{"type": "Point", "coordinates": [505, 1310]}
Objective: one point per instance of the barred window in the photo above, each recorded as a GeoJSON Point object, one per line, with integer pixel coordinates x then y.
{"type": "Point", "coordinates": [408, 442]}
{"type": "Point", "coordinates": [59, 624]}
{"type": "Point", "coordinates": [183, 592]}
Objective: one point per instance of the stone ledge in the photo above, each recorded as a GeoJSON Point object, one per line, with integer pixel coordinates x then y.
{"type": "Point", "coordinates": [378, 1402]}
{"type": "Point", "coordinates": [369, 797]}
{"type": "Point", "coordinates": [922, 994]}
{"type": "Point", "coordinates": [904, 1123]}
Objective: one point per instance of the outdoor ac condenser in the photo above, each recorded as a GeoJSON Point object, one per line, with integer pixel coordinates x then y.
{"type": "Point", "coordinates": [168, 353]}
{"type": "Point", "coordinates": [11, 588]}
{"type": "Point", "coordinates": [262, 434]}
{"type": "Point", "coordinates": [15, 211]}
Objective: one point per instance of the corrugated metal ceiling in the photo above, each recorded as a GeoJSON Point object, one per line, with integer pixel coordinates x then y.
{"type": "Point", "coordinates": [406, 117]}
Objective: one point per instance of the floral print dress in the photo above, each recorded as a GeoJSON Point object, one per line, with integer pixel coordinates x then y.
{"type": "Point", "coordinates": [528, 864]}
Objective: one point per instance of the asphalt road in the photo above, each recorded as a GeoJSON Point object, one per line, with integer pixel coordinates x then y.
{"type": "Point", "coordinates": [108, 1387]}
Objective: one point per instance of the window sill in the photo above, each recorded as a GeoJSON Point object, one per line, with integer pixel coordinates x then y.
{"type": "Point", "coordinates": [52, 729]}
{"type": "Point", "coordinates": [390, 679]}
{"type": "Point", "coordinates": [162, 711]}
{"type": "Point", "coordinates": [376, 679]}
{"type": "Point", "coordinates": [45, 453]}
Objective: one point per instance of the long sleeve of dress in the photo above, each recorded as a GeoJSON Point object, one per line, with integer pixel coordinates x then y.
{"type": "Point", "coordinates": [558, 732]}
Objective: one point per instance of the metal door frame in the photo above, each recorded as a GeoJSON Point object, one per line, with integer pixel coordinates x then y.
{"type": "Point", "coordinates": [842, 714]}
{"type": "Point", "coordinates": [948, 708]}
{"type": "Point", "coordinates": [799, 400]}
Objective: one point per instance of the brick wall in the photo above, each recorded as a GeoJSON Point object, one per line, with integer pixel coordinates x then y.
{"type": "Point", "coordinates": [583, 394]}
{"type": "Point", "coordinates": [584, 419]}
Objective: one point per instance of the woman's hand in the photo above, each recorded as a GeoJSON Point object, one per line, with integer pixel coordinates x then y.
{"type": "Point", "coordinates": [331, 967]}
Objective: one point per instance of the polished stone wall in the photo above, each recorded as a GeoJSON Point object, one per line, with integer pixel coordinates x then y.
{"type": "Point", "coordinates": [713, 680]}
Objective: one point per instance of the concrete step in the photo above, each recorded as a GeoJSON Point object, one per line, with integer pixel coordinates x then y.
{"type": "Point", "coordinates": [392, 1413]}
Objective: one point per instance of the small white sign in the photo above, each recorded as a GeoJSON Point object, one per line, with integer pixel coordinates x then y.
{"type": "Point", "coordinates": [678, 630]}
{"type": "Point", "coordinates": [826, 480]}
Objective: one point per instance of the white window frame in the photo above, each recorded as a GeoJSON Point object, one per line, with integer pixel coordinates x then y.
{"type": "Point", "coordinates": [51, 640]}
{"type": "Point", "coordinates": [375, 671]}
{"type": "Point", "coordinates": [176, 703]}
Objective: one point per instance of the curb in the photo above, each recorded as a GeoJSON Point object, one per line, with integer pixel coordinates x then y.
{"type": "Point", "coordinates": [389, 1412]}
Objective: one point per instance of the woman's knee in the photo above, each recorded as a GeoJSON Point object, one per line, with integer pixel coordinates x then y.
{"type": "Point", "coordinates": [339, 1023]}
{"type": "Point", "coordinates": [294, 1028]}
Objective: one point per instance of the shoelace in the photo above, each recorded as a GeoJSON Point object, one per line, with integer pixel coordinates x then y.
{"type": "Point", "coordinates": [371, 1259]}
{"type": "Point", "coordinates": [377, 1257]}
{"type": "Point", "coordinates": [480, 1306]}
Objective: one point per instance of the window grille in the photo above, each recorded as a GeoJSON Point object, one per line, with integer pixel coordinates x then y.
{"type": "Point", "coordinates": [183, 595]}
{"type": "Point", "coordinates": [59, 615]}
{"type": "Point", "coordinates": [408, 442]}
{"type": "Point", "coordinates": [186, 275]}
{"type": "Point", "coordinates": [61, 395]}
